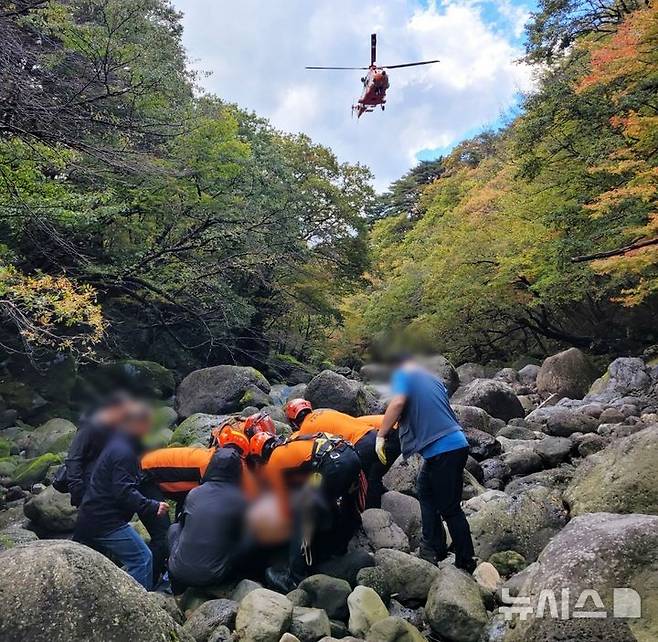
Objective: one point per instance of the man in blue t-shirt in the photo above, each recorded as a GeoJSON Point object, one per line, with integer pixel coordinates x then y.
{"type": "Point", "coordinates": [429, 426]}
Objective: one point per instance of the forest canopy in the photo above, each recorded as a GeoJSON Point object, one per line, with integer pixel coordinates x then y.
{"type": "Point", "coordinates": [544, 233]}
{"type": "Point", "coordinates": [159, 222]}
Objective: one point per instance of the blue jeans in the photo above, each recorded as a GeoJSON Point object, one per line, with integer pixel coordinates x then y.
{"type": "Point", "coordinates": [129, 548]}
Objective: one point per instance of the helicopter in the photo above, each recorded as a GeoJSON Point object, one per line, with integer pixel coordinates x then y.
{"type": "Point", "coordinates": [375, 82]}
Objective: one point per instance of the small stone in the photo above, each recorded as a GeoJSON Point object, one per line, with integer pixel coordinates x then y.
{"type": "Point", "coordinates": [366, 608]}
{"type": "Point", "coordinates": [487, 576]}
{"type": "Point", "coordinates": [309, 624]}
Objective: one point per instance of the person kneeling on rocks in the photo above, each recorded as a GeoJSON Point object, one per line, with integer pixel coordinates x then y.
{"type": "Point", "coordinates": [316, 480]}
{"type": "Point", "coordinates": [429, 426]}
{"type": "Point", "coordinates": [361, 432]}
{"type": "Point", "coordinates": [205, 544]}
{"type": "Point", "coordinates": [113, 497]}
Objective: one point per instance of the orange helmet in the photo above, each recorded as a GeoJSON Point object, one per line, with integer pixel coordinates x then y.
{"type": "Point", "coordinates": [295, 407]}
{"type": "Point", "coordinates": [259, 422]}
{"type": "Point", "coordinates": [258, 442]}
{"type": "Point", "coordinates": [230, 437]}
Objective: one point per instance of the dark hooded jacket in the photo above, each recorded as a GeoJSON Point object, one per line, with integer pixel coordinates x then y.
{"type": "Point", "coordinates": [212, 524]}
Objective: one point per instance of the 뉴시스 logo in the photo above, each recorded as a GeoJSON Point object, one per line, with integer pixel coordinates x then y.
{"type": "Point", "coordinates": [626, 603]}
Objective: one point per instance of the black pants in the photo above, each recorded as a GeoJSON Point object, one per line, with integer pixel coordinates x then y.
{"type": "Point", "coordinates": [157, 527]}
{"type": "Point", "coordinates": [440, 485]}
{"type": "Point", "coordinates": [373, 468]}
{"type": "Point", "coordinates": [332, 510]}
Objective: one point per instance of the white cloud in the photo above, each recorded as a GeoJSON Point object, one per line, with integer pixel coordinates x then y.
{"type": "Point", "coordinates": [257, 50]}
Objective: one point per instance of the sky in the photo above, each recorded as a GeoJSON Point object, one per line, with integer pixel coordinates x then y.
{"type": "Point", "coordinates": [253, 53]}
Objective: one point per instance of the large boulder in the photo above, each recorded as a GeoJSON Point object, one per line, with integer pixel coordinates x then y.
{"type": "Point", "coordinates": [332, 390]}
{"type": "Point", "coordinates": [54, 436]}
{"type": "Point", "coordinates": [561, 421]}
{"type": "Point", "coordinates": [211, 614]}
{"type": "Point", "coordinates": [263, 616]}
{"type": "Point", "coordinates": [196, 429]}
{"type": "Point", "coordinates": [496, 397]}
{"type": "Point", "coordinates": [408, 576]}
{"type": "Point", "coordinates": [328, 593]}
{"type": "Point", "coordinates": [33, 471]}
{"type": "Point", "coordinates": [469, 371]}
{"type": "Point", "coordinates": [366, 608]}
{"type": "Point", "coordinates": [454, 608]}
{"type": "Point", "coordinates": [217, 390]}
{"type": "Point", "coordinates": [60, 591]}
{"type": "Point", "coordinates": [472, 417]}
{"type": "Point", "coordinates": [14, 535]}
{"type": "Point", "coordinates": [524, 522]}
{"type": "Point", "coordinates": [567, 374]}
{"type": "Point", "coordinates": [405, 511]}
{"type": "Point", "coordinates": [403, 474]}
{"type": "Point", "coordinates": [382, 531]}
{"type": "Point", "coordinates": [443, 369]}
{"type": "Point", "coordinates": [51, 512]}
{"type": "Point", "coordinates": [482, 445]}
{"type": "Point", "coordinates": [622, 478]}
{"type": "Point", "coordinates": [615, 555]}
{"type": "Point", "coordinates": [625, 377]}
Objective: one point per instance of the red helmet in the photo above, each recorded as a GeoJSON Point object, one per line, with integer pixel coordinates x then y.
{"type": "Point", "coordinates": [230, 437]}
{"type": "Point", "coordinates": [258, 441]}
{"type": "Point", "coordinates": [295, 407]}
{"type": "Point", "coordinates": [259, 422]}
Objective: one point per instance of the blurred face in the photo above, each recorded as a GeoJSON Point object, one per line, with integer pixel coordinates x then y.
{"type": "Point", "coordinates": [128, 416]}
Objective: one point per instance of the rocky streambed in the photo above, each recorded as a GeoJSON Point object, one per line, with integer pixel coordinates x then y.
{"type": "Point", "coordinates": [566, 501]}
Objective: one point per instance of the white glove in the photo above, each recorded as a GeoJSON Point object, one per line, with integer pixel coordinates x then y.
{"type": "Point", "coordinates": [379, 449]}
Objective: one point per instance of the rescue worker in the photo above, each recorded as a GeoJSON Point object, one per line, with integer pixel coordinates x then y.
{"type": "Point", "coordinates": [204, 544]}
{"type": "Point", "coordinates": [315, 479]}
{"type": "Point", "coordinates": [360, 432]}
{"type": "Point", "coordinates": [113, 497]}
{"type": "Point", "coordinates": [429, 426]}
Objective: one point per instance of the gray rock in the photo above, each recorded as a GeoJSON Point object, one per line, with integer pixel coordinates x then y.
{"type": "Point", "coordinates": [407, 576]}
{"type": "Point", "coordinates": [522, 460]}
{"type": "Point", "coordinates": [394, 629]}
{"type": "Point", "coordinates": [612, 416]}
{"type": "Point", "coordinates": [495, 468]}
{"type": "Point", "coordinates": [11, 536]}
{"type": "Point", "coordinates": [508, 563]}
{"type": "Point", "coordinates": [567, 374]}
{"type": "Point", "coordinates": [469, 371]}
{"type": "Point", "coordinates": [622, 478]}
{"type": "Point", "coordinates": [308, 624]}
{"type": "Point", "coordinates": [626, 376]}
{"type": "Point", "coordinates": [366, 608]}
{"type": "Point", "coordinates": [75, 576]}
{"type": "Point", "coordinates": [560, 421]}
{"type": "Point", "coordinates": [217, 390]}
{"type": "Point", "coordinates": [332, 390]}
{"type": "Point", "coordinates": [382, 531]}
{"type": "Point", "coordinates": [528, 374]}
{"type": "Point", "coordinates": [405, 511]}
{"type": "Point", "coordinates": [590, 444]}
{"type": "Point", "coordinates": [454, 608]}
{"type": "Point", "coordinates": [299, 597]}
{"type": "Point", "coordinates": [516, 432]}
{"type": "Point", "coordinates": [403, 474]}
{"type": "Point", "coordinates": [328, 593]}
{"type": "Point", "coordinates": [553, 450]}
{"type": "Point", "coordinates": [243, 589]}
{"type": "Point", "coordinates": [223, 634]}
{"type": "Point", "coordinates": [54, 436]}
{"type": "Point", "coordinates": [473, 417]}
{"type": "Point", "coordinates": [254, 397]}
{"type": "Point", "coordinates": [524, 522]}
{"type": "Point", "coordinates": [168, 603]}
{"type": "Point", "coordinates": [209, 616]}
{"type": "Point", "coordinates": [51, 512]}
{"type": "Point", "coordinates": [553, 478]}
{"type": "Point", "coordinates": [495, 397]}
{"type": "Point", "coordinates": [263, 616]}
{"type": "Point", "coordinates": [196, 429]}
{"type": "Point", "coordinates": [482, 445]}
{"type": "Point", "coordinates": [601, 551]}
{"type": "Point", "coordinates": [508, 375]}
{"type": "Point", "coordinates": [375, 577]}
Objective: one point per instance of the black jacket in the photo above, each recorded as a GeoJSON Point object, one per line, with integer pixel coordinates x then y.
{"type": "Point", "coordinates": [85, 448]}
{"type": "Point", "coordinates": [112, 497]}
{"type": "Point", "coordinates": [211, 525]}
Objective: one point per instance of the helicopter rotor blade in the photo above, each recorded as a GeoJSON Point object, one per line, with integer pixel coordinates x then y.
{"type": "Point", "coordinates": [373, 48]}
{"type": "Point", "coordinates": [336, 67]}
{"type": "Point", "coordinates": [409, 64]}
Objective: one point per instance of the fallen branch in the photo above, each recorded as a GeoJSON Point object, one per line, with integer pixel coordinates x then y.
{"type": "Point", "coordinates": [618, 252]}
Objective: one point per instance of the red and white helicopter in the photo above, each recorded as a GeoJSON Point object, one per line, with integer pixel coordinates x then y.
{"type": "Point", "coordinates": [375, 82]}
